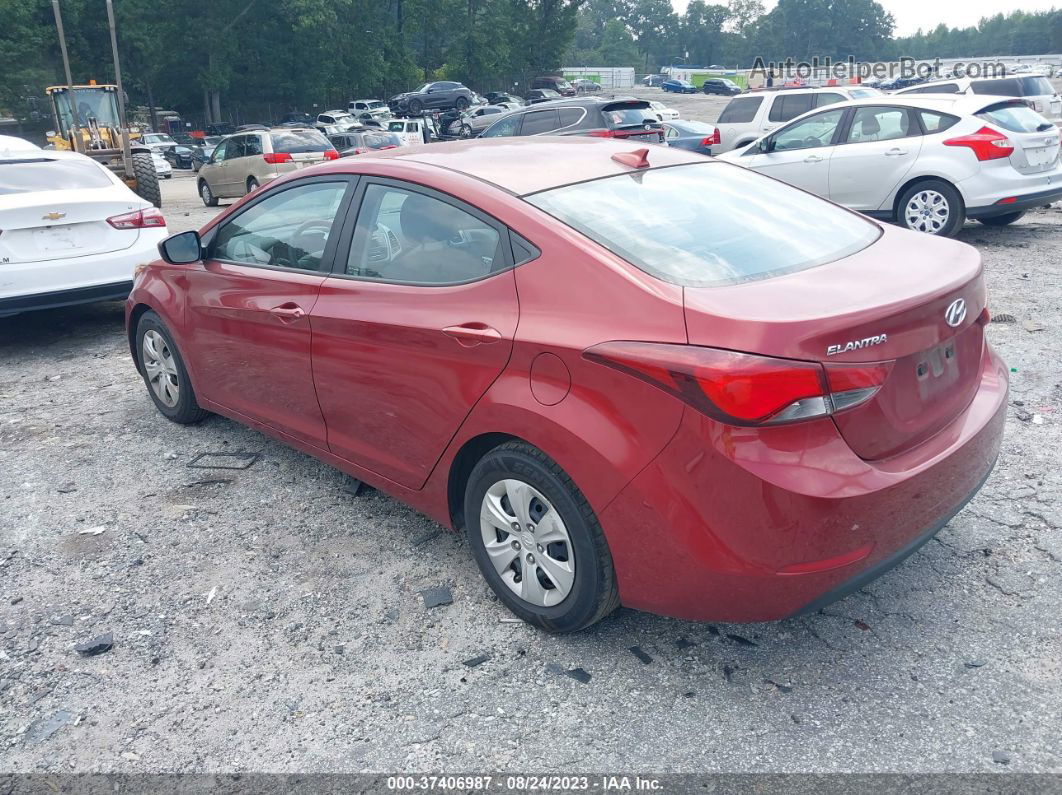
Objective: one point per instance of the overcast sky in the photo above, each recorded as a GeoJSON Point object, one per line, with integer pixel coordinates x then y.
{"type": "Point", "coordinates": [910, 15]}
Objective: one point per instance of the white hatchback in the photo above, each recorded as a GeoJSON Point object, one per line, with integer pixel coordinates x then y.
{"type": "Point", "coordinates": [72, 231]}
{"type": "Point", "coordinates": [927, 163]}
{"type": "Point", "coordinates": [1035, 89]}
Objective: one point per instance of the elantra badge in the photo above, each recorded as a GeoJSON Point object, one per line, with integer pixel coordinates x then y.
{"type": "Point", "coordinates": [955, 313]}
{"type": "Point", "coordinates": [855, 345]}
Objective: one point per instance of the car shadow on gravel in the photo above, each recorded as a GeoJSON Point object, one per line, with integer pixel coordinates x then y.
{"type": "Point", "coordinates": [68, 326]}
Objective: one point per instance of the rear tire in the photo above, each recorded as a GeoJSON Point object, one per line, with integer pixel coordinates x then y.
{"type": "Point", "coordinates": [1002, 220]}
{"type": "Point", "coordinates": [933, 207]}
{"type": "Point", "coordinates": [252, 183]}
{"type": "Point", "coordinates": [207, 195]}
{"type": "Point", "coordinates": [147, 179]}
{"type": "Point", "coordinates": [575, 582]}
{"type": "Point", "coordinates": [164, 373]}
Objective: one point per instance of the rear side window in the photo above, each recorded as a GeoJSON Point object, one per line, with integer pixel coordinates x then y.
{"type": "Point", "coordinates": [1016, 118]}
{"type": "Point", "coordinates": [26, 176]}
{"type": "Point", "coordinates": [789, 106]}
{"type": "Point", "coordinates": [938, 88]}
{"type": "Point", "coordinates": [295, 141]}
{"type": "Point", "coordinates": [879, 124]}
{"type": "Point", "coordinates": [708, 224]}
{"type": "Point", "coordinates": [540, 121]}
{"type": "Point", "coordinates": [570, 116]}
{"type": "Point", "coordinates": [740, 111]}
{"type": "Point", "coordinates": [253, 145]}
{"type": "Point", "coordinates": [936, 122]}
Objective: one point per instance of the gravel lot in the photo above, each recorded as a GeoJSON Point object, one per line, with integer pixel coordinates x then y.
{"type": "Point", "coordinates": [268, 620]}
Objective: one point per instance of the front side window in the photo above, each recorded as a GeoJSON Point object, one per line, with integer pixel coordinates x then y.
{"type": "Point", "coordinates": [286, 229]}
{"type": "Point", "coordinates": [808, 133]}
{"type": "Point", "coordinates": [405, 236]}
{"type": "Point", "coordinates": [740, 111]}
{"type": "Point", "coordinates": [708, 224]}
{"type": "Point", "coordinates": [878, 124]}
{"type": "Point", "coordinates": [503, 127]}
{"type": "Point", "coordinates": [220, 152]}
{"type": "Point", "coordinates": [826, 98]}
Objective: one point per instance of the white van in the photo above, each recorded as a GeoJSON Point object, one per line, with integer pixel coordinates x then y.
{"type": "Point", "coordinates": [749, 116]}
{"type": "Point", "coordinates": [1034, 89]}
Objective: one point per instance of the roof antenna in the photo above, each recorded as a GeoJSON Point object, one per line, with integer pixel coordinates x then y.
{"type": "Point", "coordinates": [639, 158]}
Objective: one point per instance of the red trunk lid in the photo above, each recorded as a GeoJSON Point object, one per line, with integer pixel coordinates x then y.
{"type": "Point", "coordinates": [888, 302]}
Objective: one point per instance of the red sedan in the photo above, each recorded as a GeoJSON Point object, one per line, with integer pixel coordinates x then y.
{"type": "Point", "coordinates": [633, 377]}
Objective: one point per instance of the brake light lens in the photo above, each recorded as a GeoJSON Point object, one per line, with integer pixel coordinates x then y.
{"type": "Point", "coordinates": [331, 154]}
{"type": "Point", "coordinates": [741, 388]}
{"type": "Point", "coordinates": [274, 158]}
{"type": "Point", "coordinates": [986, 144]}
{"type": "Point", "coordinates": [714, 139]}
{"type": "Point", "coordinates": [141, 219]}
{"type": "Point", "coordinates": [602, 133]}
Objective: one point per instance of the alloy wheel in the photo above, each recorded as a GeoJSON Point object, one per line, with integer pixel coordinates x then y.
{"type": "Point", "coordinates": [204, 192]}
{"type": "Point", "coordinates": [160, 368]}
{"type": "Point", "coordinates": [927, 211]}
{"type": "Point", "coordinates": [527, 542]}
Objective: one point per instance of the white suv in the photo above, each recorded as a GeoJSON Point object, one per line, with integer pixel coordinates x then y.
{"type": "Point", "coordinates": [1034, 89]}
{"type": "Point", "coordinates": [928, 163]}
{"type": "Point", "coordinates": [749, 116]}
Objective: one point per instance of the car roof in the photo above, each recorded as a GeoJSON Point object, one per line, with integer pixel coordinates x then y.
{"type": "Point", "coordinates": [956, 103]}
{"type": "Point", "coordinates": [527, 165]}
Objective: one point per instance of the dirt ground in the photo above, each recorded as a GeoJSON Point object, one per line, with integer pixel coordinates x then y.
{"type": "Point", "coordinates": [266, 619]}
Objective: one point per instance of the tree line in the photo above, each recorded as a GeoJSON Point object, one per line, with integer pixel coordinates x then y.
{"type": "Point", "coordinates": [253, 60]}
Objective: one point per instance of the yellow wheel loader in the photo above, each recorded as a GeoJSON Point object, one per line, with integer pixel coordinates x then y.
{"type": "Point", "coordinates": [91, 119]}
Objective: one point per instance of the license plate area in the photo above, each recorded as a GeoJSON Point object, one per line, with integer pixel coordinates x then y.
{"type": "Point", "coordinates": [63, 237]}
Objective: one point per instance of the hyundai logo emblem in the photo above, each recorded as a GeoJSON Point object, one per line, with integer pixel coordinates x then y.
{"type": "Point", "coordinates": [956, 312]}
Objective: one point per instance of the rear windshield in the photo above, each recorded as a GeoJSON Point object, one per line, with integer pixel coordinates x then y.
{"type": "Point", "coordinates": [380, 140]}
{"type": "Point", "coordinates": [1016, 118]}
{"type": "Point", "coordinates": [740, 111]}
{"type": "Point", "coordinates": [1014, 87]}
{"type": "Point", "coordinates": [617, 116]}
{"type": "Point", "coordinates": [708, 224]}
{"type": "Point", "coordinates": [26, 176]}
{"type": "Point", "coordinates": [295, 141]}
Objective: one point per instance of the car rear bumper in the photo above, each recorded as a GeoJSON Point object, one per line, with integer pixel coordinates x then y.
{"type": "Point", "coordinates": [1028, 201]}
{"type": "Point", "coordinates": [62, 282]}
{"type": "Point", "coordinates": [736, 524]}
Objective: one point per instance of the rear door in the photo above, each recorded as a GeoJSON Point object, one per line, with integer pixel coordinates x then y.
{"type": "Point", "coordinates": [250, 302]}
{"type": "Point", "coordinates": [800, 153]}
{"type": "Point", "coordinates": [414, 325]}
{"type": "Point", "coordinates": [879, 145]}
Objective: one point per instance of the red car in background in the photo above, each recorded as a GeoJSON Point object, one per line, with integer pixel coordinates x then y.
{"type": "Point", "coordinates": [633, 377]}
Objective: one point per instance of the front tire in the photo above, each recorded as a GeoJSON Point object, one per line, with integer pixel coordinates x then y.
{"type": "Point", "coordinates": [933, 207]}
{"type": "Point", "coordinates": [147, 179]}
{"type": "Point", "coordinates": [207, 195]}
{"type": "Point", "coordinates": [1002, 220]}
{"type": "Point", "coordinates": [164, 373]}
{"type": "Point", "coordinates": [461, 104]}
{"type": "Point", "coordinates": [415, 107]}
{"type": "Point", "coordinates": [537, 541]}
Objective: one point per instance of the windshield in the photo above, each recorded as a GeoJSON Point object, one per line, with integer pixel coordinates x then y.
{"type": "Point", "coordinates": [423, 89]}
{"type": "Point", "coordinates": [92, 103]}
{"type": "Point", "coordinates": [158, 138]}
{"type": "Point", "coordinates": [708, 224]}
{"type": "Point", "coordinates": [396, 126]}
{"type": "Point", "coordinates": [212, 140]}
{"type": "Point", "coordinates": [26, 176]}
{"type": "Point", "coordinates": [381, 140]}
{"type": "Point", "coordinates": [295, 141]}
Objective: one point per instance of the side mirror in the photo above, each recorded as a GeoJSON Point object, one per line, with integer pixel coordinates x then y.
{"type": "Point", "coordinates": [182, 249]}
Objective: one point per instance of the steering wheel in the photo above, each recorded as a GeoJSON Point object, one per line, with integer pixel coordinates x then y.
{"type": "Point", "coordinates": [325, 226]}
{"type": "Point", "coordinates": [812, 141]}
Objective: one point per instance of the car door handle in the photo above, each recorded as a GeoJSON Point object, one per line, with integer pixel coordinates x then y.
{"type": "Point", "coordinates": [895, 152]}
{"type": "Point", "coordinates": [470, 334]}
{"type": "Point", "coordinates": [287, 313]}
{"type": "Point", "coordinates": [812, 159]}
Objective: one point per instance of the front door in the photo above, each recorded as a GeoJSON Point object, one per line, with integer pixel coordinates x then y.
{"type": "Point", "coordinates": [249, 305]}
{"type": "Point", "coordinates": [413, 327]}
{"type": "Point", "coordinates": [800, 153]}
{"type": "Point", "coordinates": [880, 147]}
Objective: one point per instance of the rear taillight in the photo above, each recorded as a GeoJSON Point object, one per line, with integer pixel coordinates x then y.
{"type": "Point", "coordinates": [986, 144]}
{"type": "Point", "coordinates": [742, 388]}
{"type": "Point", "coordinates": [714, 139]}
{"type": "Point", "coordinates": [141, 219]}
{"type": "Point", "coordinates": [359, 151]}
{"type": "Point", "coordinates": [602, 133]}
{"type": "Point", "coordinates": [275, 158]}
{"type": "Point", "coordinates": [331, 154]}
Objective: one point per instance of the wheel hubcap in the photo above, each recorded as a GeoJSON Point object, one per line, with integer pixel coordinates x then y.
{"type": "Point", "coordinates": [205, 192]}
{"type": "Point", "coordinates": [160, 368]}
{"type": "Point", "coordinates": [927, 211]}
{"type": "Point", "coordinates": [527, 543]}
